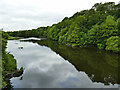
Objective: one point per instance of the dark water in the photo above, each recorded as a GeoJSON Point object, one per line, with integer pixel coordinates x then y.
{"type": "Point", "coordinates": [49, 64]}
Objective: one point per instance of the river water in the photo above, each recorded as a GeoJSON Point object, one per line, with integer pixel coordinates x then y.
{"type": "Point", "coordinates": [49, 64]}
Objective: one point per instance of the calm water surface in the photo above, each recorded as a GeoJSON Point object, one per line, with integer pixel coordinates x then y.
{"type": "Point", "coordinates": [49, 64]}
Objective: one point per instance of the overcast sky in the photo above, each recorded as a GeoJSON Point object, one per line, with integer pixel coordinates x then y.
{"type": "Point", "coordinates": [29, 14]}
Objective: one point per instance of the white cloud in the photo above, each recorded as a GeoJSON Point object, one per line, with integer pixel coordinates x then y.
{"type": "Point", "coordinates": [28, 14]}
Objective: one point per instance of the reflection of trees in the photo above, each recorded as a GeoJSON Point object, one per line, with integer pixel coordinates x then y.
{"type": "Point", "coordinates": [100, 66]}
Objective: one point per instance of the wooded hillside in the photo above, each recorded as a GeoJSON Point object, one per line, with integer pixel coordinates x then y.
{"type": "Point", "coordinates": [98, 26]}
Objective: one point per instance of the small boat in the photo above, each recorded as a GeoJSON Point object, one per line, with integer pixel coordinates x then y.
{"type": "Point", "coordinates": [20, 47]}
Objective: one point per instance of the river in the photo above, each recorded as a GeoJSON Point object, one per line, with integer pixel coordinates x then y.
{"type": "Point", "coordinates": [49, 64]}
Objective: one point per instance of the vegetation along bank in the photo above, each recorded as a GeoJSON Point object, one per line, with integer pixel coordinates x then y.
{"type": "Point", "coordinates": [9, 64]}
{"type": "Point", "coordinates": [98, 26]}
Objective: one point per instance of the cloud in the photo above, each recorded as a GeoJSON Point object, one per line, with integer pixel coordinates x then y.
{"type": "Point", "coordinates": [28, 14]}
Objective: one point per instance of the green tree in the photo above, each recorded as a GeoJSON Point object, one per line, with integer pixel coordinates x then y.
{"type": "Point", "coordinates": [113, 44]}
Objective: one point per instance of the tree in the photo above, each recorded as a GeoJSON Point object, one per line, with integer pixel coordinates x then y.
{"type": "Point", "coordinates": [118, 26]}
{"type": "Point", "coordinates": [113, 44]}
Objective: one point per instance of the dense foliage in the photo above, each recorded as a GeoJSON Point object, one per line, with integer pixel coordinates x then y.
{"type": "Point", "coordinates": [97, 26]}
{"type": "Point", "coordinates": [9, 65]}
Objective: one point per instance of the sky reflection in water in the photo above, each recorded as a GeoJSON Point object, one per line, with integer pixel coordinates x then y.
{"type": "Point", "coordinates": [46, 69]}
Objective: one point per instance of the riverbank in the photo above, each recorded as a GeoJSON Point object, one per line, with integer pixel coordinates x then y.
{"type": "Point", "coordinates": [9, 64]}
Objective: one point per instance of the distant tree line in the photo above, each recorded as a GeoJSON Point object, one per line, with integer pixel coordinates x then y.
{"type": "Point", "coordinates": [98, 26]}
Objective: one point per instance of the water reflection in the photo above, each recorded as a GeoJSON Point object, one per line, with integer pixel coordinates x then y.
{"type": "Point", "coordinates": [45, 68]}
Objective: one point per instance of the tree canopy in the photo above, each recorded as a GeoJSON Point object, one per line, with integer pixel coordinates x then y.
{"type": "Point", "coordinates": [88, 27]}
